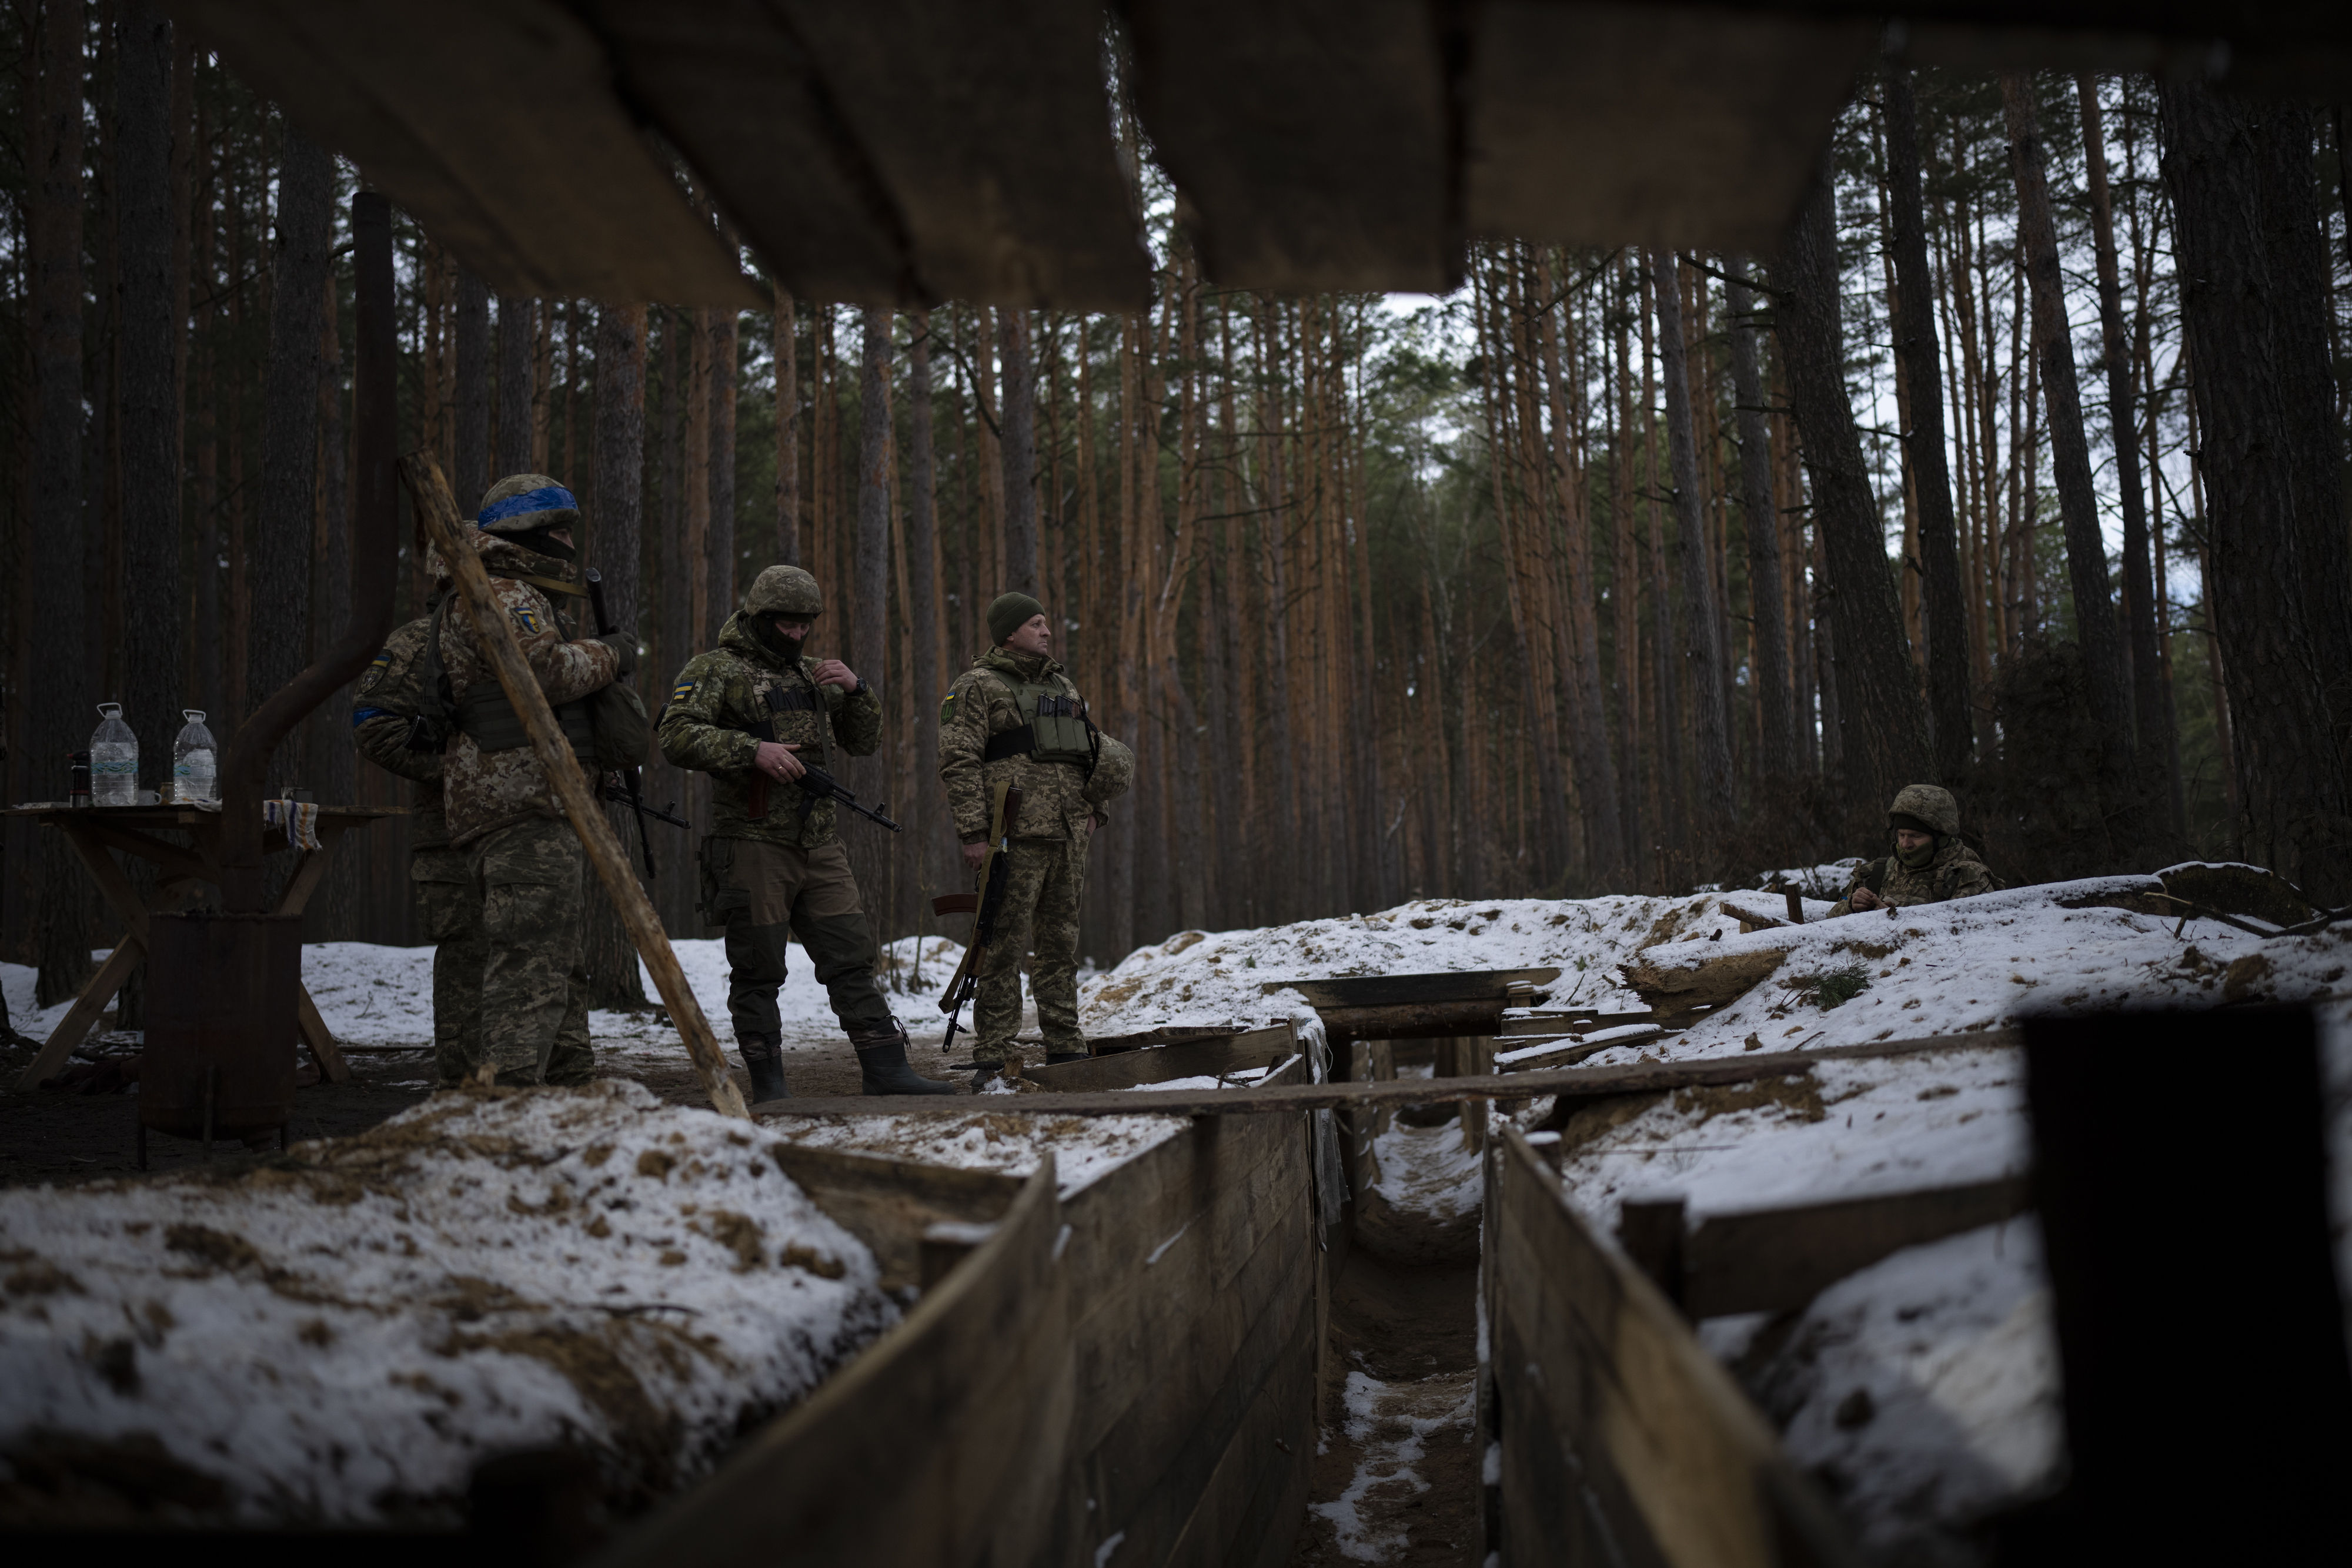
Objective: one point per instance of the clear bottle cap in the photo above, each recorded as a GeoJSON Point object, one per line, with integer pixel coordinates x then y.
{"type": "Point", "coordinates": [109, 710]}
{"type": "Point", "coordinates": [193, 714]}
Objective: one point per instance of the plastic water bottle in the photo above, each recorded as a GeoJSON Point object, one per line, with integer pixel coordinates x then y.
{"type": "Point", "coordinates": [195, 777]}
{"type": "Point", "coordinates": [113, 760]}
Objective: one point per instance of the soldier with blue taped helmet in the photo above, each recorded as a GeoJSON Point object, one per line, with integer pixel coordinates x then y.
{"type": "Point", "coordinates": [526, 865]}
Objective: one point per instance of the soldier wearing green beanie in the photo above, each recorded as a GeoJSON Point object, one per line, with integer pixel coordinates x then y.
{"type": "Point", "coordinates": [1016, 717]}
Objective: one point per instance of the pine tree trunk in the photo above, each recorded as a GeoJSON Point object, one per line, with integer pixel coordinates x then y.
{"type": "Point", "coordinates": [725, 331]}
{"type": "Point", "coordinates": [517, 319]}
{"type": "Point", "coordinates": [154, 607]}
{"type": "Point", "coordinates": [1949, 718]}
{"type": "Point", "coordinates": [1880, 738]}
{"type": "Point", "coordinates": [470, 471]}
{"type": "Point", "coordinates": [785, 346]}
{"type": "Point", "coordinates": [935, 845]}
{"type": "Point", "coordinates": [2149, 708]}
{"type": "Point", "coordinates": [1777, 747]}
{"type": "Point", "coordinates": [1702, 653]}
{"type": "Point", "coordinates": [280, 567]}
{"type": "Point", "coordinates": [2255, 273]}
{"type": "Point", "coordinates": [619, 459]}
{"type": "Point", "coordinates": [868, 652]}
{"type": "Point", "coordinates": [2070, 455]}
{"type": "Point", "coordinates": [1020, 444]}
{"type": "Point", "coordinates": [62, 717]}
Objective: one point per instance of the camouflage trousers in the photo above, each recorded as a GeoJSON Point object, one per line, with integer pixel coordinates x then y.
{"type": "Point", "coordinates": [533, 998]}
{"type": "Point", "coordinates": [765, 894]}
{"type": "Point", "coordinates": [453, 919]}
{"type": "Point", "coordinates": [1038, 920]}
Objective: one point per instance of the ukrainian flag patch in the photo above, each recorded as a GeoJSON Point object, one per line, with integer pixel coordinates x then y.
{"type": "Point", "coordinates": [947, 710]}
{"type": "Point", "coordinates": [526, 619]}
{"type": "Point", "coordinates": [684, 690]}
{"type": "Point", "coordinates": [375, 670]}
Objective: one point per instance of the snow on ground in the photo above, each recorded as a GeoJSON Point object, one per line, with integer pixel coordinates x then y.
{"type": "Point", "coordinates": [374, 994]}
{"type": "Point", "coordinates": [1084, 1149]}
{"type": "Point", "coordinates": [340, 1335]}
{"type": "Point", "coordinates": [1392, 1424]}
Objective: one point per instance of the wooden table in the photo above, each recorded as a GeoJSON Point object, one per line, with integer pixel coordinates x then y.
{"type": "Point", "coordinates": [184, 869]}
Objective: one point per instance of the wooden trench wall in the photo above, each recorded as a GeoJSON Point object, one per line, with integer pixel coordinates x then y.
{"type": "Point", "coordinates": [1139, 1363]}
{"type": "Point", "coordinates": [1622, 1441]}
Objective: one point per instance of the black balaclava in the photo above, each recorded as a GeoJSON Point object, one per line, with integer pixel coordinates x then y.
{"type": "Point", "coordinates": [786, 649]}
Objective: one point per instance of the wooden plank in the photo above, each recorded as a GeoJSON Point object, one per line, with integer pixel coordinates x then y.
{"type": "Point", "coordinates": [1623, 1439]}
{"type": "Point", "coordinates": [495, 124]}
{"type": "Point", "coordinates": [944, 1443]}
{"type": "Point", "coordinates": [1568, 1020]}
{"type": "Point", "coordinates": [1405, 991]}
{"type": "Point", "coordinates": [1192, 1288]}
{"type": "Point", "coordinates": [1312, 141]}
{"type": "Point", "coordinates": [1714, 121]}
{"type": "Point", "coordinates": [1761, 1260]}
{"type": "Point", "coordinates": [438, 512]}
{"type": "Point", "coordinates": [1163, 1064]}
{"type": "Point", "coordinates": [86, 1012]}
{"type": "Point", "coordinates": [1569, 1083]}
{"type": "Point", "coordinates": [888, 1204]}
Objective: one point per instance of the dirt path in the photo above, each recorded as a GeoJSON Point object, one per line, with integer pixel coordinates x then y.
{"type": "Point", "coordinates": [1397, 1477]}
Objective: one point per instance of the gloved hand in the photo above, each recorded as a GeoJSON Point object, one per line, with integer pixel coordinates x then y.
{"type": "Point", "coordinates": [624, 643]}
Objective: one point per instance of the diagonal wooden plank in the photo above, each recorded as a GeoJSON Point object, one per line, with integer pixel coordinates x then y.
{"type": "Point", "coordinates": [85, 1012]}
{"type": "Point", "coordinates": [495, 124]}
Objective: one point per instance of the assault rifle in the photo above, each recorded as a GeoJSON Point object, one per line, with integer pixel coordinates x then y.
{"type": "Point", "coordinates": [621, 789]}
{"type": "Point", "coordinates": [630, 792]}
{"type": "Point", "coordinates": [984, 905]}
{"type": "Point", "coordinates": [816, 785]}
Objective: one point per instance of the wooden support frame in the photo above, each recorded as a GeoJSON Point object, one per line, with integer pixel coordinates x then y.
{"type": "Point", "coordinates": [438, 511]}
{"type": "Point", "coordinates": [93, 832]}
{"type": "Point", "coordinates": [1621, 1439]}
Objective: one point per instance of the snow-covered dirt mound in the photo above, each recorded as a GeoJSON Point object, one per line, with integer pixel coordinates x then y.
{"type": "Point", "coordinates": [340, 1335]}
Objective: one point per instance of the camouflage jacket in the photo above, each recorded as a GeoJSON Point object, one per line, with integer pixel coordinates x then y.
{"type": "Point", "coordinates": [489, 790]}
{"type": "Point", "coordinates": [386, 699]}
{"type": "Point", "coordinates": [979, 704]}
{"type": "Point", "coordinates": [1955, 873]}
{"type": "Point", "coordinates": [722, 694]}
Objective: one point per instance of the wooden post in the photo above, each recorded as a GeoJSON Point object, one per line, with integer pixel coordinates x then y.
{"type": "Point", "coordinates": [438, 510]}
{"type": "Point", "coordinates": [1651, 1231]}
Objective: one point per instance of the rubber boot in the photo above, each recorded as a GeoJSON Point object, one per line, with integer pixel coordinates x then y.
{"type": "Point", "coordinates": [883, 1070]}
{"type": "Point", "coordinates": [765, 1060]}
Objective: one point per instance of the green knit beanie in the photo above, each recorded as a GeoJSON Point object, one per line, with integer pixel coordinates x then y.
{"type": "Point", "coordinates": [1008, 612]}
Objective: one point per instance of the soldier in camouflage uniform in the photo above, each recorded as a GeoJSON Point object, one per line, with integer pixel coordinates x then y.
{"type": "Point", "coordinates": [1929, 866]}
{"type": "Point", "coordinates": [388, 702]}
{"type": "Point", "coordinates": [525, 862]}
{"type": "Point", "coordinates": [754, 713]}
{"type": "Point", "coordinates": [1017, 717]}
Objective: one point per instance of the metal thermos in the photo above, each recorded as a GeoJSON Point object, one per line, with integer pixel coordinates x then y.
{"type": "Point", "coordinates": [78, 792]}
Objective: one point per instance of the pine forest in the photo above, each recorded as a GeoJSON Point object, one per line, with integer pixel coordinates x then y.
{"type": "Point", "coordinates": [1610, 571]}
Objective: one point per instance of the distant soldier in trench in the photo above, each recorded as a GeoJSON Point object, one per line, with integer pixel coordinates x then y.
{"type": "Point", "coordinates": [754, 713]}
{"type": "Point", "coordinates": [387, 706]}
{"type": "Point", "coordinates": [1016, 717]}
{"type": "Point", "coordinates": [1929, 866]}
{"type": "Point", "coordinates": [525, 862]}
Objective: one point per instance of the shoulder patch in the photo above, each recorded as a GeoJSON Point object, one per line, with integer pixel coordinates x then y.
{"type": "Point", "coordinates": [947, 711]}
{"type": "Point", "coordinates": [375, 671]}
{"type": "Point", "coordinates": [526, 618]}
{"type": "Point", "coordinates": [683, 690]}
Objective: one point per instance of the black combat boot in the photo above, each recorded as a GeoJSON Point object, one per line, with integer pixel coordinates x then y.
{"type": "Point", "coordinates": [764, 1059]}
{"type": "Point", "coordinates": [984, 1073]}
{"type": "Point", "coordinates": [882, 1065]}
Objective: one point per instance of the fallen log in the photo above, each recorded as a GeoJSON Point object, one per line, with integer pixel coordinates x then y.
{"type": "Point", "coordinates": [1570, 1082]}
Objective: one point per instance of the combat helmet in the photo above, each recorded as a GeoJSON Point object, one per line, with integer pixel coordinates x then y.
{"type": "Point", "coordinates": [1926, 808]}
{"type": "Point", "coordinates": [523, 506]}
{"type": "Point", "coordinates": [1114, 770]}
{"type": "Point", "coordinates": [784, 590]}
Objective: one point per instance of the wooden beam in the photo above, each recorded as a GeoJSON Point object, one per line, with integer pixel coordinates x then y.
{"type": "Point", "coordinates": [1762, 1261]}
{"type": "Point", "coordinates": [1569, 1083]}
{"type": "Point", "coordinates": [495, 123]}
{"type": "Point", "coordinates": [438, 510]}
